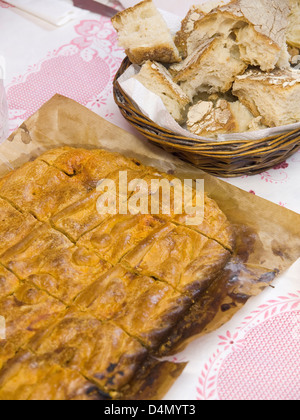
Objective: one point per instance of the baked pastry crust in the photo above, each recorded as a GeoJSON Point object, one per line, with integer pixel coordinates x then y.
{"type": "Point", "coordinates": [100, 351]}
{"type": "Point", "coordinates": [94, 296]}
{"type": "Point", "coordinates": [118, 235]}
{"type": "Point", "coordinates": [9, 283]}
{"type": "Point", "coordinates": [144, 307]}
{"type": "Point", "coordinates": [30, 377]}
{"type": "Point", "coordinates": [179, 256]}
{"type": "Point", "coordinates": [83, 216]}
{"type": "Point", "coordinates": [27, 311]}
{"type": "Point", "coordinates": [213, 223]}
{"type": "Point", "coordinates": [14, 225]}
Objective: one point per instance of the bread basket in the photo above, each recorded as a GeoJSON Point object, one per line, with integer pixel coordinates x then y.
{"type": "Point", "coordinates": [224, 159]}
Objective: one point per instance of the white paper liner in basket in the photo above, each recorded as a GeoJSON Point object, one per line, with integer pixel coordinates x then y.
{"type": "Point", "coordinates": [152, 106]}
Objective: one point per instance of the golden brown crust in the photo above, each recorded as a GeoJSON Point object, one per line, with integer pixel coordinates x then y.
{"type": "Point", "coordinates": [161, 53]}
{"type": "Point", "coordinates": [118, 235]}
{"type": "Point", "coordinates": [41, 190]}
{"type": "Point", "coordinates": [27, 311]}
{"type": "Point", "coordinates": [187, 26]}
{"type": "Point", "coordinates": [183, 258]}
{"type": "Point", "coordinates": [84, 215]}
{"type": "Point", "coordinates": [9, 283]}
{"type": "Point", "coordinates": [214, 225]}
{"type": "Point", "coordinates": [14, 225]}
{"type": "Point", "coordinates": [100, 351]}
{"type": "Point", "coordinates": [145, 308]}
{"type": "Point", "coordinates": [29, 377]}
{"type": "Point", "coordinates": [67, 272]}
{"type": "Point", "coordinates": [153, 314]}
{"type": "Point", "coordinates": [29, 255]}
{"type": "Point", "coordinates": [50, 261]}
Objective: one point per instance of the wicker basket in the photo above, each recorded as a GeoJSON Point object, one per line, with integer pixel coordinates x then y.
{"type": "Point", "coordinates": [224, 159]}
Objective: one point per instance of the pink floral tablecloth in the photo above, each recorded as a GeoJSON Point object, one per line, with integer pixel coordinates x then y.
{"type": "Point", "coordinates": [255, 355]}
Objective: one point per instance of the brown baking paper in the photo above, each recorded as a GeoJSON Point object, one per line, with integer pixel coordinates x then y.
{"type": "Point", "coordinates": [268, 236]}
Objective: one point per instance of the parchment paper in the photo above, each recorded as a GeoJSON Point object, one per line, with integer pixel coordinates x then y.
{"type": "Point", "coordinates": [268, 235]}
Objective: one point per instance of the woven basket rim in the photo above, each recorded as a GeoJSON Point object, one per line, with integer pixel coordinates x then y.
{"type": "Point", "coordinates": [230, 158]}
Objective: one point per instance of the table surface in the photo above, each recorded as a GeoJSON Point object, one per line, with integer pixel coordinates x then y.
{"type": "Point", "coordinates": [256, 354]}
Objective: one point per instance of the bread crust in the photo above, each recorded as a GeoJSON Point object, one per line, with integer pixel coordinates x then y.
{"type": "Point", "coordinates": [281, 84]}
{"type": "Point", "coordinates": [269, 18]}
{"type": "Point", "coordinates": [156, 78]}
{"type": "Point", "coordinates": [213, 121]}
{"type": "Point", "coordinates": [187, 26]}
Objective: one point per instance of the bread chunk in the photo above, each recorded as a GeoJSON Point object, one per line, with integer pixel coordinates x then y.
{"type": "Point", "coordinates": [258, 29]}
{"type": "Point", "coordinates": [187, 25]}
{"type": "Point", "coordinates": [145, 35]}
{"type": "Point", "coordinates": [274, 96]}
{"type": "Point", "coordinates": [211, 68]}
{"type": "Point", "coordinates": [293, 30]}
{"type": "Point", "coordinates": [207, 119]}
{"type": "Point", "coordinates": [194, 14]}
{"type": "Point", "coordinates": [156, 78]}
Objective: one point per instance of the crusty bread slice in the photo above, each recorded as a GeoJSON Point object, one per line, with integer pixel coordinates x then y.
{"type": "Point", "coordinates": [145, 35]}
{"type": "Point", "coordinates": [187, 25]}
{"type": "Point", "coordinates": [273, 96]}
{"type": "Point", "coordinates": [293, 31]}
{"type": "Point", "coordinates": [211, 68]}
{"type": "Point", "coordinates": [259, 29]}
{"type": "Point", "coordinates": [156, 78]}
{"type": "Point", "coordinates": [209, 119]}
